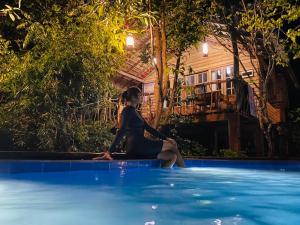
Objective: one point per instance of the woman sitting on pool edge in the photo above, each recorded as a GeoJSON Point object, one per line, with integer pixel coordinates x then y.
{"type": "Point", "coordinates": [137, 145]}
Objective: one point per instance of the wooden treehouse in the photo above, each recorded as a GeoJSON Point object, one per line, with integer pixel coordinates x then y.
{"type": "Point", "coordinates": [221, 118]}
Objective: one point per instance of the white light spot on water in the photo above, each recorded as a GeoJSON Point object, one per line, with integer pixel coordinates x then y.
{"type": "Point", "coordinates": [154, 207]}
{"type": "Point", "coordinates": [237, 219]}
{"type": "Point", "coordinates": [218, 222]}
{"type": "Point", "coordinates": [196, 195]}
{"type": "Point", "coordinates": [172, 185]}
{"type": "Point", "coordinates": [96, 178]}
{"type": "Point", "coordinates": [195, 169]}
{"type": "Point", "coordinates": [205, 202]}
{"type": "Point", "coordinates": [150, 223]}
{"type": "Point", "coordinates": [232, 198]}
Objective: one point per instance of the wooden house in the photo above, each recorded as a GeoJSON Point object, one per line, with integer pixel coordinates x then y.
{"type": "Point", "coordinates": [207, 94]}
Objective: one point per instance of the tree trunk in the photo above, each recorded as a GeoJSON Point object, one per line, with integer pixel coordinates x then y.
{"type": "Point", "coordinates": [173, 89]}
{"type": "Point", "coordinates": [160, 49]}
{"type": "Point", "coordinates": [158, 93]}
{"type": "Point", "coordinates": [236, 62]}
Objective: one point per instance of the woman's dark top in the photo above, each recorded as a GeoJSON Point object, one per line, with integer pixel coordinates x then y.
{"type": "Point", "coordinates": [133, 127]}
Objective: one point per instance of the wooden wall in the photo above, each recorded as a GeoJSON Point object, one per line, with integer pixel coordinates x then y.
{"type": "Point", "coordinates": [218, 58]}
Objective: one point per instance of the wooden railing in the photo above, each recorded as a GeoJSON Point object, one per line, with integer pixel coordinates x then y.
{"type": "Point", "coordinates": [104, 112]}
{"type": "Point", "coordinates": [206, 97]}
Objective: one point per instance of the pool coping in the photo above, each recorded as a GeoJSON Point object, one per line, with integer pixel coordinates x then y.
{"type": "Point", "coordinates": [25, 166]}
{"type": "Point", "coordinates": [21, 166]}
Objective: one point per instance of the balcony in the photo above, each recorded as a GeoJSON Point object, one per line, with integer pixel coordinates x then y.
{"type": "Point", "coordinates": [209, 97]}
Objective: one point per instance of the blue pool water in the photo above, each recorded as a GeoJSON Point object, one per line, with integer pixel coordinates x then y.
{"type": "Point", "coordinates": [139, 196]}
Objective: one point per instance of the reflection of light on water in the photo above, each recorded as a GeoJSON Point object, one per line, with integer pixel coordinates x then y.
{"type": "Point", "coordinates": [171, 185]}
{"type": "Point", "coordinates": [150, 223]}
{"type": "Point", "coordinates": [195, 168]}
{"type": "Point", "coordinates": [122, 167]}
{"type": "Point", "coordinates": [232, 198]}
{"type": "Point", "coordinates": [96, 178]}
{"type": "Point", "coordinates": [218, 222]}
{"type": "Point", "coordinates": [205, 202]}
{"type": "Point", "coordinates": [237, 219]}
{"type": "Point", "coordinates": [196, 195]}
{"type": "Point", "coordinates": [122, 172]}
{"type": "Point", "coordinates": [154, 207]}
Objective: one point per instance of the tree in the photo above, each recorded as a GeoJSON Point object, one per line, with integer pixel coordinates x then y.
{"type": "Point", "coordinates": [177, 25]}
{"type": "Point", "coordinates": [267, 30]}
{"type": "Point", "coordinates": [267, 42]}
{"type": "Point", "coordinates": [59, 64]}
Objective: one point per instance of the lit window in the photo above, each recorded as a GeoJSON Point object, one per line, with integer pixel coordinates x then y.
{"type": "Point", "coordinates": [215, 76]}
{"type": "Point", "coordinates": [229, 81]}
{"type": "Point", "coordinates": [190, 80]}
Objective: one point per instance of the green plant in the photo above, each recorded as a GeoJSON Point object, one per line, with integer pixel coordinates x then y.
{"type": "Point", "coordinates": [188, 147]}
{"type": "Point", "coordinates": [228, 153]}
{"type": "Point", "coordinates": [63, 62]}
{"type": "Point", "coordinates": [294, 115]}
{"type": "Point", "coordinates": [180, 119]}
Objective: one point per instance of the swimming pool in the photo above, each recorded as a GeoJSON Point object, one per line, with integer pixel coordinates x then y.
{"type": "Point", "coordinates": [211, 192]}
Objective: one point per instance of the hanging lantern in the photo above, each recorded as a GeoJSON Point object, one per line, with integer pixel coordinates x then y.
{"type": "Point", "coordinates": [130, 41]}
{"type": "Point", "coordinates": [205, 49]}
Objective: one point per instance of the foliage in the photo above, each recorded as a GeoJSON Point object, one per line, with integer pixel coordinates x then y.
{"type": "Point", "coordinates": [180, 119]}
{"type": "Point", "coordinates": [174, 28]}
{"type": "Point", "coordinates": [269, 44]}
{"type": "Point", "coordinates": [269, 19]}
{"type": "Point", "coordinates": [228, 153]}
{"type": "Point", "coordinates": [189, 147]}
{"type": "Point", "coordinates": [269, 31]}
{"type": "Point", "coordinates": [64, 61]}
{"type": "Point", "coordinates": [294, 115]}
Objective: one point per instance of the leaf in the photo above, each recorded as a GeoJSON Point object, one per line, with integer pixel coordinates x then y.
{"type": "Point", "coordinates": [9, 7]}
{"type": "Point", "coordinates": [12, 17]}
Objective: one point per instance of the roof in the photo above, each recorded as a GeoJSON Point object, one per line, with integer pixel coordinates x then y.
{"type": "Point", "coordinates": [134, 70]}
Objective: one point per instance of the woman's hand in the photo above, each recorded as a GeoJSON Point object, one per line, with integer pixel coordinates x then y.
{"type": "Point", "coordinates": [104, 155]}
{"type": "Point", "coordinates": [171, 140]}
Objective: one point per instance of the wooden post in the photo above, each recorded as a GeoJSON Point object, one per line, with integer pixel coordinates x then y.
{"type": "Point", "coordinates": [234, 132]}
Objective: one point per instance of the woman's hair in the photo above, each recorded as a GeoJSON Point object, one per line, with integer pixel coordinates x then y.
{"type": "Point", "coordinates": [132, 92]}
{"type": "Point", "coordinates": [123, 97]}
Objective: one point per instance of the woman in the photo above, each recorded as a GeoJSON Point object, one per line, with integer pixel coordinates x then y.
{"type": "Point", "coordinates": [137, 146]}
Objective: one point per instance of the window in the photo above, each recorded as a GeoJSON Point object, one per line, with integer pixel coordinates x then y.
{"type": "Point", "coordinates": [229, 81]}
{"type": "Point", "coordinates": [202, 77]}
{"type": "Point", "coordinates": [215, 76]}
{"type": "Point", "coordinates": [148, 88]}
{"type": "Point", "coordinates": [190, 80]}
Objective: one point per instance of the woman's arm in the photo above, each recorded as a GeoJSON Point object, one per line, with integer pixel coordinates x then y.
{"type": "Point", "coordinates": [120, 132]}
{"type": "Point", "coordinates": [154, 132]}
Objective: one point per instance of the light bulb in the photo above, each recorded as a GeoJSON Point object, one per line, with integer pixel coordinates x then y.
{"type": "Point", "coordinates": [129, 41]}
{"type": "Point", "coordinates": [205, 49]}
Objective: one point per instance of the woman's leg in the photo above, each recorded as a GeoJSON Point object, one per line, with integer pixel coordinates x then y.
{"type": "Point", "coordinates": [171, 145]}
{"type": "Point", "coordinates": [168, 157]}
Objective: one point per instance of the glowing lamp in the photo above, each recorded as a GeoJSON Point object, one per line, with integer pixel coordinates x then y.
{"type": "Point", "coordinates": [205, 49]}
{"type": "Point", "coordinates": [129, 41]}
